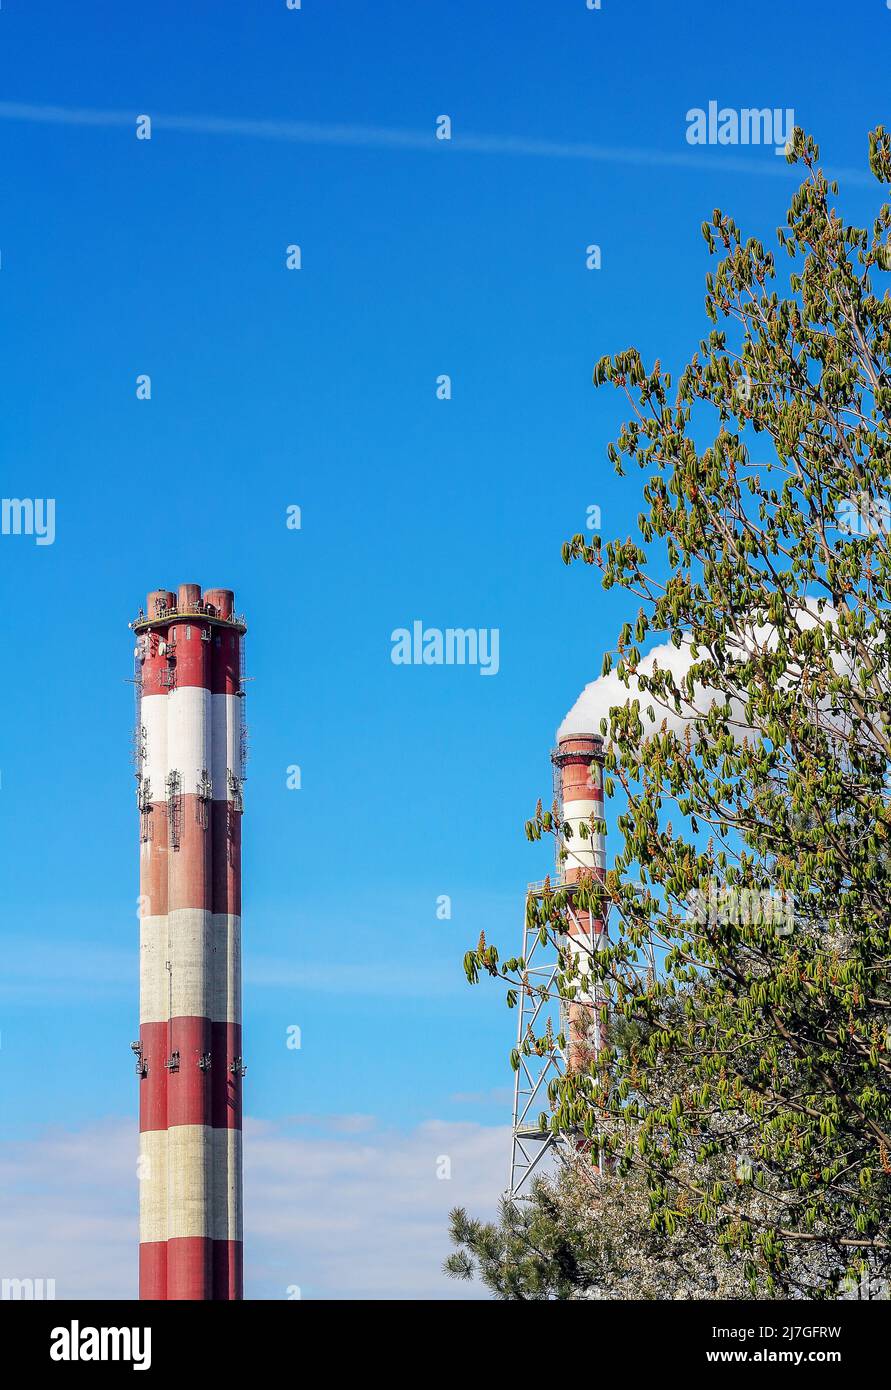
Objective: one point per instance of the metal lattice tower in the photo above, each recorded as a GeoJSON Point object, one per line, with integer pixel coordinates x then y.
{"type": "Point", "coordinates": [542, 1016]}
{"type": "Point", "coordinates": [561, 1029]}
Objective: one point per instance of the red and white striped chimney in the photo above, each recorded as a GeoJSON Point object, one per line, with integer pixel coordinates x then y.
{"type": "Point", "coordinates": [579, 760]}
{"type": "Point", "coordinates": [189, 776]}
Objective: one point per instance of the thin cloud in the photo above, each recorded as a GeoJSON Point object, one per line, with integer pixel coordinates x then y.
{"type": "Point", "coordinates": [496, 1095]}
{"type": "Point", "coordinates": [356, 976]}
{"type": "Point", "coordinates": [342, 1213]}
{"type": "Point", "coordinates": [388, 138]}
{"type": "Point", "coordinates": [90, 969]}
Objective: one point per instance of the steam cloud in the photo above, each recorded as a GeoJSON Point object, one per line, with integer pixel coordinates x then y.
{"type": "Point", "coordinates": [608, 691]}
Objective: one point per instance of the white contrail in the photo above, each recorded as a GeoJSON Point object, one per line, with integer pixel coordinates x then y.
{"type": "Point", "coordinates": [385, 137]}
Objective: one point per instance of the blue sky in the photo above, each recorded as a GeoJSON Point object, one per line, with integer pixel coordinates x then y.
{"type": "Point", "coordinates": [316, 388]}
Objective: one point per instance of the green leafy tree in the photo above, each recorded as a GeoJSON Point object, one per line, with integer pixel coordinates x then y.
{"type": "Point", "coordinates": [749, 1092]}
{"type": "Point", "coordinates": [586, 1234]}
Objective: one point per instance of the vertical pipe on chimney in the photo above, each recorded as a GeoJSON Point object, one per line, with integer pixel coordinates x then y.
{"type": "Point", "coordinates": [226, 1070]}
{"type": "Point", "coordinates": [154, 1012]}
{"type": "Point", "coordinates": [190, 1151]}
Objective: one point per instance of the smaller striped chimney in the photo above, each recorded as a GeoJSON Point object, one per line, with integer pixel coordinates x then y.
{"type": "Point", "coordinates": [578, 760]}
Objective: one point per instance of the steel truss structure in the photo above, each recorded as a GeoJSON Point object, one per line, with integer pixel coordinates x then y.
{"type": "Point", "coordinates": [543, 1016]}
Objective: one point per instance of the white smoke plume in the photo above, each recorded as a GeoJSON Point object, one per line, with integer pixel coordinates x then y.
{"type": "Point", "coordinates": [603, 694]}
{"type": "Point", "coordinates": [608, 691]}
